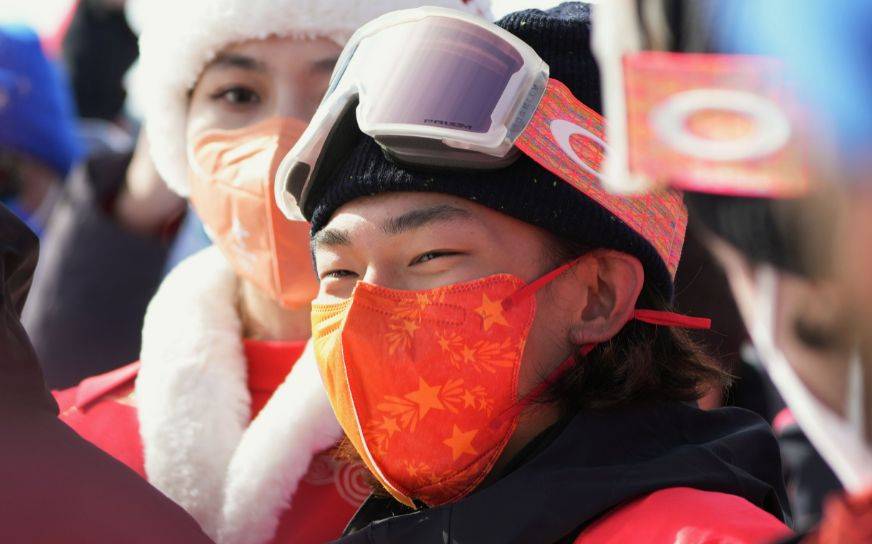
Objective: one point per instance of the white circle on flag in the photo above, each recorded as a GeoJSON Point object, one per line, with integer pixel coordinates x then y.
{"type": "Point", "coordinates": [770, 134]}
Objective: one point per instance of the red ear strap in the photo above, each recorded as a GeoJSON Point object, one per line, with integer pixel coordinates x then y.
{"type": "Point", "coordinates": [671, 319]}
{"type": "Point", "coordinates": [653, 317]}
{"type": "Point", "coordinates": [540, 389]}
{"type": "Point", "coordinates": [531, 288]}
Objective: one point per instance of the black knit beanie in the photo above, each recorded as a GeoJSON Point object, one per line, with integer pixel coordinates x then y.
{"type": "Point", "coordinates": [523, 190]}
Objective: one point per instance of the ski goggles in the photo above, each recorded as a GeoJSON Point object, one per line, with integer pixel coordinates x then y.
{"type": "Point", "coordinates": [439, 88]}
{"type": "Point", "coordinates": [698, 121]}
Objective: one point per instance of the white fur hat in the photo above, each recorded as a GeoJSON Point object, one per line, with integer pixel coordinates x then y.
{"type": "Point", "coordinates": [179, 37]}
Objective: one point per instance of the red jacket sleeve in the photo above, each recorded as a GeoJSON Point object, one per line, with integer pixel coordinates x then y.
{"type": "Point", "coordinates": [99, 410]}
{"type": "Point", "coordinates": [683, 515]}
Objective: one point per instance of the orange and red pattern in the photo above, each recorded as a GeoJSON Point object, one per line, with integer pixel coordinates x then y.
{"type": "Point", "coordinates": [654, 77]}
{"type": "Point", "coordinates": [659, 217]}
{"type": "Point", "coordinates": [439, 370]}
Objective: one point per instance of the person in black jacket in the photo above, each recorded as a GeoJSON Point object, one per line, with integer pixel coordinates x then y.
{"type": "Point", "coordinates": [56, 486]}
{"type": "Point", "coordinates": [451, 299]}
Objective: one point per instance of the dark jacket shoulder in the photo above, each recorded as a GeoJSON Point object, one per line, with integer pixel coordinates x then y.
{"type": "Point", "coordinates": [600, 461]}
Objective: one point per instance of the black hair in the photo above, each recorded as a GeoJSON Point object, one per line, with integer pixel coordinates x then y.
{"type": "Point", "coordinates": [642, 363]}
{"type": "Point", "coordinates": [790, 234]}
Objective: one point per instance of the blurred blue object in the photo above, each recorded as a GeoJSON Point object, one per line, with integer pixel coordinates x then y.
{"type": "Point", "coordinates": [37, 116]}
{"type": "Point", "coordinates": [827, 47]}
{"type": "Point", "coordinates": [191, 238]}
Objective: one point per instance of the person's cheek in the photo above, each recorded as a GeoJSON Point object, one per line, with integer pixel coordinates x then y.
{"type": "Point", "coordinates": [822, 371]}
{"type": "Point", "coordinates": [545, 349]}
{"type": "Point", "coordinates": [857, 258]}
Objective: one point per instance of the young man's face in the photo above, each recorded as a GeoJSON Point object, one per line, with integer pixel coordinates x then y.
{"type": "Point", "coordinates": [810, 324]}
{"type": "Point", "coordinates": [419, 241]}
{"type": "Point", "coordinates": [854, 270]}
{"type": "Point", "coordinates": [255, 80]}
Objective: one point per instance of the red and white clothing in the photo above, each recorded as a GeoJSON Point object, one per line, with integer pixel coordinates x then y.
{"type": "Point", "coordinates": [238, 432]}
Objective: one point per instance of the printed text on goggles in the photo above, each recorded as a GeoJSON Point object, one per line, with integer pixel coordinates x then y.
{"type": "Point", "coordinates": [684, 114]}
{"type": "Point", "coordinates": [436, 87]}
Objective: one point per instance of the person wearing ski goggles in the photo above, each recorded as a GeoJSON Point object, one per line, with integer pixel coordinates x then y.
{"type": "Point", "coordinates": [493, 328]}
{"type": "Point", "coordinates": [782, 194]}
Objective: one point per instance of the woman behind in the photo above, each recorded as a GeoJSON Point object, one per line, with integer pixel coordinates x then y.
{"type": "Point", "coordinates": [212, 415]}
{"type": "Point", "coordinates": [478, 335]}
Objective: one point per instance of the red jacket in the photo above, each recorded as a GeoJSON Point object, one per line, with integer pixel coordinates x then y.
{"type": "Point", "coordinates": [103, 410]}
{"type": "Point", "coordinates": [681, 515]}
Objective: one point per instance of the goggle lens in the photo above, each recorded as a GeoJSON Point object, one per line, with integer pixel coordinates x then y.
{"type": "Point", "coordinates": [448, 74]}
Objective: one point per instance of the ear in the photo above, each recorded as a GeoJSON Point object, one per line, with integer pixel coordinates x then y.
{"type": "Point", "coordinates": [613, 281]}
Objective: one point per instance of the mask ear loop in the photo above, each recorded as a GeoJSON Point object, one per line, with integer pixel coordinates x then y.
{"type": "Point", "coordinates": [535, 286]}
{"type": "Point", "coordinates": [652, 317]}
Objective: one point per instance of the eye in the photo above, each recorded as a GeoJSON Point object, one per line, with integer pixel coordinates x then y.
{"type": "Point", "coordinates": [819, 336]}
{"type": "Point", "coordinates": [431, 255]}
{"type": "Point", "coordinates": [338, 274]}
{"type": "Point", "coordinates": [237, 95]}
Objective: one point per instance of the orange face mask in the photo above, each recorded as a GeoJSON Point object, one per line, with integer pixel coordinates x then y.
{"type": "Point", "coordinates": [425, 383]}
{"type": "Point", "coordinates": [231, 175]}
{"type": "Point", "coordinates": [418, 380]}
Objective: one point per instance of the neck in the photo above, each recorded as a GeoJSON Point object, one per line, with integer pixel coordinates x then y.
{"type": "Point", "coordinates": [264, 319]}
{"type": "Point", "coordinates": [533, 421]}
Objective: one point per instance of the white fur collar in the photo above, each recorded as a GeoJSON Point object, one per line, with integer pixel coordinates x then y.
{"type": "Point", "coordinates": [194, 407]}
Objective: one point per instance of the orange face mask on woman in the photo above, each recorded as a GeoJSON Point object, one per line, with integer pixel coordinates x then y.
{"type": "Point", "coordinates": [425, 383]}
{"type": "Point", "coordinates": [231, 175]}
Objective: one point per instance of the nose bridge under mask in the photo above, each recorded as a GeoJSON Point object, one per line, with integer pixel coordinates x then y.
{"type": "Point", "coordinates": [231, 175]}
{"type": "Point", "coordinates": [294, 101]}
{"type": "Point", "coordinates": [417, 378]}
{"type": "Point", "coordinates": [268, 141]}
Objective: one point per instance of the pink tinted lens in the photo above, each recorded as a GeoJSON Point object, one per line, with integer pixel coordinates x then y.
{"type": "Point", "coordinates": [448, 73]}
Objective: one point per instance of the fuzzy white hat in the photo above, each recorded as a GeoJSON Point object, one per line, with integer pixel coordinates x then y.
{"type": "Point", "coordinates": [179, 37]}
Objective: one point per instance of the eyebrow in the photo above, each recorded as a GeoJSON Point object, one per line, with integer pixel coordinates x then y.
{"type": "Point", "coordinates": [330, 238]}
{"type": "Point", "coordinates": [396, 225]}
{"type": "Point", "coordinates": [325, 65]}
{"type": "Point", "coordinates": [416, 219]}
{"type": "Point", "coordinates": [234, 60]}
